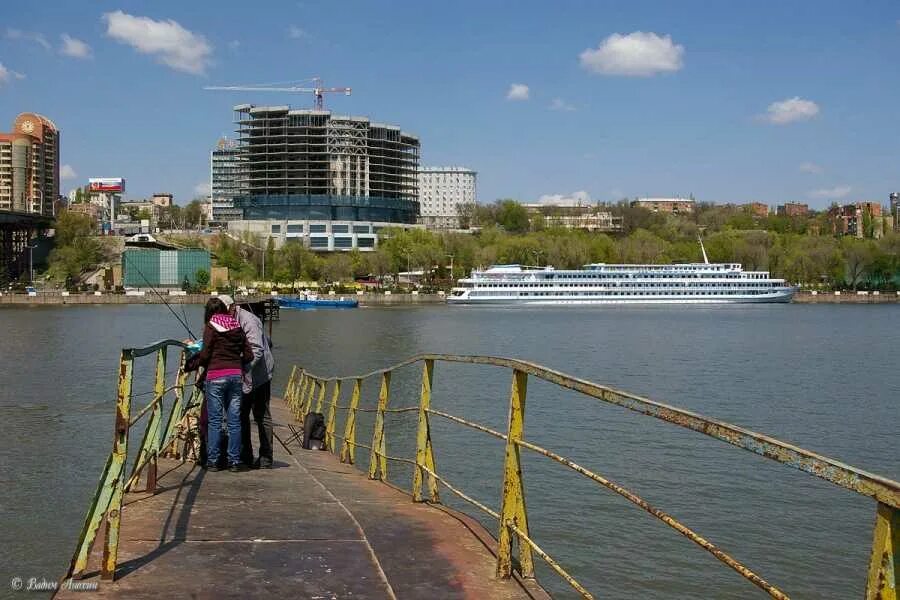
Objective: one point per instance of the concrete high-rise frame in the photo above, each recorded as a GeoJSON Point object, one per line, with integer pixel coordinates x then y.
{"type": "Point", "coordinates": [310, 164]}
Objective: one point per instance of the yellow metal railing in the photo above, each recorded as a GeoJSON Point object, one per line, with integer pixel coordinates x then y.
{"type": "Point", "coordinates": [160, 438]}
{"type": "Point", "coordinates": [306, 392]}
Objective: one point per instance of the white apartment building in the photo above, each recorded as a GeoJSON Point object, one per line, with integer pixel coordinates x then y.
{"type": "Point", "coordinates": [442, 191]}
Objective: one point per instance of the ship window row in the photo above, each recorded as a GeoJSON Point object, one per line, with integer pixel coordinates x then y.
{"type": "Point", "coordinates": [650, 275]}
{"type": "Point", "coordinates": [482, 293]}
{"type": "Point", "coordinates": [741, 284]}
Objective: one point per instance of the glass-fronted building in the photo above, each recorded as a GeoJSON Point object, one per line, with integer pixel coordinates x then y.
{"type": "Point", "coordinates": [308, 169]}
{"type": "Point", "coordinates": [226, 181]}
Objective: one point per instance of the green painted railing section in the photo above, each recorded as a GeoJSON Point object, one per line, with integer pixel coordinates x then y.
{"type": "Point", "coordinates": [160, 438]}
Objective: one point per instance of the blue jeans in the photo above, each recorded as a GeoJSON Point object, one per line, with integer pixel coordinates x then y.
{"type": "Point", "coordinates": [223, 395]}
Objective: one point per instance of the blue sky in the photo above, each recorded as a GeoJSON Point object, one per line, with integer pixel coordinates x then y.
{"type": "Point", "coordinates": [728, 101]}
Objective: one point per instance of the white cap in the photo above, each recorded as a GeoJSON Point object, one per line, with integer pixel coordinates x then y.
{"type": "Point", "coordinates": [226, 300]}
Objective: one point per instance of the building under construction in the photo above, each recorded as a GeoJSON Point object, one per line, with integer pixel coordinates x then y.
{"type": "Point", "coordinates": [306, 169]}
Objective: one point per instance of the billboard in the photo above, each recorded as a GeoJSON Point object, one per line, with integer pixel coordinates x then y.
{"type": "Point", "coordinates": [107, 184]}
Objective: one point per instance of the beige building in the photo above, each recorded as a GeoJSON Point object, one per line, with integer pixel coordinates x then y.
{"type": "Point", "coordinates": [29, 165]}
{"type": "Point", "coordinates": [588, 217]}
{"type": "Point", "coordinates": [669, 205]}
{"type": "Point", "coordinates": [444, 195]}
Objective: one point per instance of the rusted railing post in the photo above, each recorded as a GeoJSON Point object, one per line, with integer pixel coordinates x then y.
{"type": "Point", "coordinates": [378, 454]}
{"type": "Point", "coordinates": [289, 388]}
{"type": "Point", "coordinates": [156, 420]}
{"type": "Point", "coordinates": [113, 474]}
{"type": "Point", "coordinates": [321, 399]}
{"type": "Point", "coordinates": [348, 448]}
{"type": "Point", "coordinates": [885, 559]}
{"type": "Point", "coordinates": [150, 444]}
{"type": "Point", "coordinates": [424, 450]}
{"type": "Point", "coordinates": [329, 422]}
{"type": "Point", "coordinates": [307, 402]}
{"type": "Point", "coordinates": [299, 391]}
{"type": "Point", "coordinates": [169, 444]}
{"type": "Point", "coordinates": [512, 508]}
{"type": "Point", "coordinates": [119, 456]}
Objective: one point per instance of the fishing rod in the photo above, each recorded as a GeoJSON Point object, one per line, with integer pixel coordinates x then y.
{"type": "Point", "coordinates": [154, 290]}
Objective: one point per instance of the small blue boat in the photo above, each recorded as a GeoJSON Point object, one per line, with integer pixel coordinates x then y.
{"type": "Point", "coordinates": [311, 301]}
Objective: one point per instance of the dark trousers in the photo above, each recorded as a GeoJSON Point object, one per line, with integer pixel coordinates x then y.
{"type": "Point", "coordinates": [257, 402]}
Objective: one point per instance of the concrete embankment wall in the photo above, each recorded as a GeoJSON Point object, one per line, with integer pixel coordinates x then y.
{"type": "Point", "coordinates": [57, 299]}
{"type": "Point", "coordinates": [150, 298]}
{"type": "Point", "coordinates": [805, 297]}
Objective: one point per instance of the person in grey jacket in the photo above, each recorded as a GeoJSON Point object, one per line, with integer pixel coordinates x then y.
{"type": "Point", "coordinates": [257, 387]}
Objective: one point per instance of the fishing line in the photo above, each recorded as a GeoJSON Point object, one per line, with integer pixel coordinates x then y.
{"type": "Point", "coordinates": [154, 290]}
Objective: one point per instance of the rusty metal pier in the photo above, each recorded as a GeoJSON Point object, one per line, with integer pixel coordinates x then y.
{"type": "Point", "coordinates": [309, 528]}
{"type": "Point", "coordinates": [316, 526]}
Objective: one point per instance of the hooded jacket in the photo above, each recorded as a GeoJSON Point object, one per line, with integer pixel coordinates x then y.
{"type": "Point", "coordinates": [225, 347]}
{"type": "Point", "coordinates": [263, 365]}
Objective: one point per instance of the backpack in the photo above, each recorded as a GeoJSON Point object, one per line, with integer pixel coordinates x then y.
{"type": "Point", "coordinates": [314, 431]}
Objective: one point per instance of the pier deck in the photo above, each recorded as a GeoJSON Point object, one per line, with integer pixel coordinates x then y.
{"type": "Point", "coordinates": [309, 528]}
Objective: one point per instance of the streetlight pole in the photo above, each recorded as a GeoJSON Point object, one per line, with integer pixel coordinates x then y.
{"type": "Point", "coordinates": [451, 268]}
{"type": "Point", "coordinates": [30, 263]}
{"type": "Point", "coordinates": [408, 273]}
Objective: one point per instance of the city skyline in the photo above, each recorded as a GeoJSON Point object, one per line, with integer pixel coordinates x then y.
{"type": "Point", "coordinates": [597, 101]}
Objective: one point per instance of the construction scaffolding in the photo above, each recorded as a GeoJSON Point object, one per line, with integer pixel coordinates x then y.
{"type": "Point", "coordinates": [304, 156]}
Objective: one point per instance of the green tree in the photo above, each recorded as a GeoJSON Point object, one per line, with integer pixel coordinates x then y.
{"type": "Point", "coordinates": [338, 268]}
{"type": "Point", "coordinates": [202, 278]}
{"type": "Point", "coordinates": [512, 216]}
{"type": "Point", "coordinates": [76, 249]}
{"type": "Point", "coordinates": [643, 247]}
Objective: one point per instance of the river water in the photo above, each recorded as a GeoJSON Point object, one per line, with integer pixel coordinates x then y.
{"type": "Point", "coordinates": [822, 377]}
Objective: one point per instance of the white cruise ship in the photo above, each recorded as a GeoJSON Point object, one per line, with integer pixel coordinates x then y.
{"type": "Point", "coordinates": [698, 283]}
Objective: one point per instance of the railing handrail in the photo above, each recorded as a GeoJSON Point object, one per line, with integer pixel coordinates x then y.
{"type": "Point", "coordinates": [151, 348]}
{"type": "Point", "coordinates": [305, 390]}
{"type": "Point", "coordinates": [886, 491]}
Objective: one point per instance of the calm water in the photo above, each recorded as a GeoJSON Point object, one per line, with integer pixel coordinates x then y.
{"type": "Point", "coordinates": [823, 377]}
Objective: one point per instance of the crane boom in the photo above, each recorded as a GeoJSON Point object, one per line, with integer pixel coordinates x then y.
{"type": "Point", "coordinates": [319, 92]}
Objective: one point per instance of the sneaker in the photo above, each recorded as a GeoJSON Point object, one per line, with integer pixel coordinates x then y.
{"type": "Point", "coordinates": [238, 468]}
{"type": "Point", "coordinates": [212, 468]}
{"type": "Point", "coordinates": [264, 463]}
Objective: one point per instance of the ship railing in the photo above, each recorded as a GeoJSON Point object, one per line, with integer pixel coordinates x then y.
{"type": "Point", "coordinates": [308, 392]}
{"type": "Point", "coordinates": [166, 433]}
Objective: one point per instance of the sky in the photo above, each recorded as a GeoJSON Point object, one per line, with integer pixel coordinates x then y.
{"type": "Point", "coordinates": [775, 101]}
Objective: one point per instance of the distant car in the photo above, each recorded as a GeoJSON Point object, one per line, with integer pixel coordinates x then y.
{"type": "Point", "coordinates": [141, 237]}
{"type": "Point", "coordinates": [30, 290]}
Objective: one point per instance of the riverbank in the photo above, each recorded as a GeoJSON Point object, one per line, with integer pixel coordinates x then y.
{"type": "Point", "coordinates": [802, 297]}
{"type": "Point", "coordinates": [808, 297]}
{"type": "Point", "coordinates": [56, 299]}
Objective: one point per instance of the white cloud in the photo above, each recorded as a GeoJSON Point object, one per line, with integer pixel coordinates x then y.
{"type": "Point", "coordinates": [203, 189]}
{"type": "Point", "coordinates": [297, 33]}
{"type": "Point", "coordinates": [518, 91]}
{"type": "Point", "coordinates": [791, 110]}
{"type": "Point", "coordinates": [636, 54]}
{"type": "Point", "coordinates": [574, 199]}
{"type": "Point", "coordinates": [28, 36]}
{"type": "Point", "coordinates": [839, 191]}
{"type": "Point", "coordinates": [172, 44]}
{"type": "Point", "coordinates": [67, 172]}
{"type": "Point", "coordinates": [74, 47]}
{"type": "Point", "coordinates": [560, 104]}
{"type": "Point", "coordinates": [6, 74]}
{"type": "Point", "coordinates": [811, 167]}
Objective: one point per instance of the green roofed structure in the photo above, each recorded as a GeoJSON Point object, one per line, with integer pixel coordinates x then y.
{"type": "Point", "coordinates": [162, 268]}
